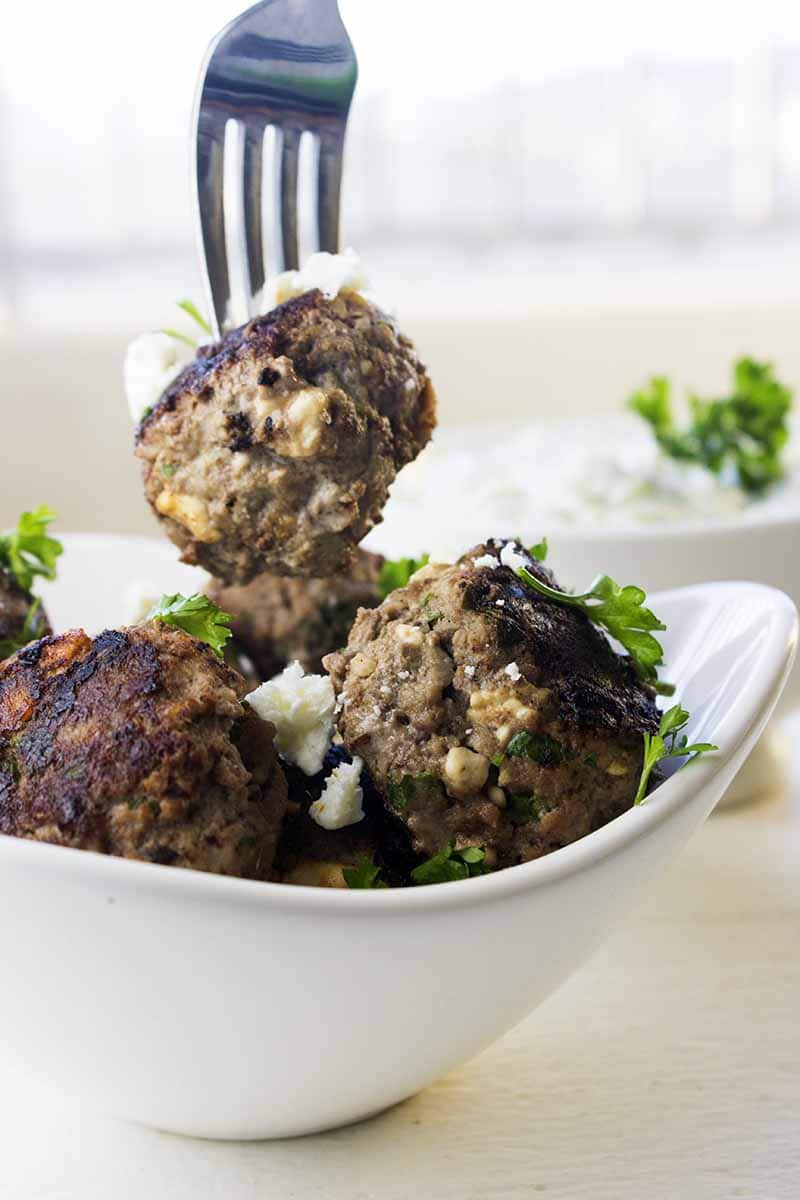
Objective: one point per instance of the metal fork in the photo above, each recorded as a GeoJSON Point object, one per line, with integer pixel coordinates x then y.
{"type": "Point", "coordinates": [288, 64]}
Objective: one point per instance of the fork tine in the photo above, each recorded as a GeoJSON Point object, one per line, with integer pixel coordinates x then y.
{"type": "Point", "coordinates": [253, 219]}
{"type": "Point", "coordinates": [329, 185]}
{"type": "Point", "coordinates": [209, 173]}
{"type": "Point", "coordinates": [287, 198]}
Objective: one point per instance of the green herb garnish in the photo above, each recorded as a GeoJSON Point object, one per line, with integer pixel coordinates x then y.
{"type": "Point", "coordinates": [28, 633]}
{"type": "Point", "coordinates": [401, 793]}
{"type": "Point", "coordinates": [195, 615]}
{"type": "Point", "coordinates": [450, 865]}
{"type": "Point", "coordinates": [191, 309]}
{"type": "Point", "coordinates": [539, 747]}
{"type": "Point", "coordinates": [618, 610]}
{"type": "Point", "coordinates": [522, 809]}
{"type": "Point", "coordinates": [28, 551]}
{"type": "Point", "coordinates": [744, 432]}
{"type": "Point", "coordinates": [364, 875]}
{"type": "Point", "coordinates": [168, 470]}
{"type": "Point", "coordinates": [668, 744]}
{"type": "Point", "coordinates": [396, 573]}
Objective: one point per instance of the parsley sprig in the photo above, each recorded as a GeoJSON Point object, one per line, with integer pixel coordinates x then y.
{"type": "Point", "coordinates": [191, 309]}
{"type": "Point", "coordinates": [618, 610]}
{"type": "Point", "coordinates": [450, 865]}
{"type": "Point", "coordinates": [196, 615]}
{"type": "Point", "coordinates": [28, 550]}
{"type": "Point", "coordinates": [744, 432]}
{"type": "Point", "coordinates": [396, 573]}
{"type": "Point", "coordinates": [364, 875]}
{"type": "Point", "coordinates": [669, 742]}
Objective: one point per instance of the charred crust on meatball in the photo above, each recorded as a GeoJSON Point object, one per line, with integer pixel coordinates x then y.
{"type": "Point", "coordinates": [489, 715]}
{"type": "Point", "coordinates": [136, 743]}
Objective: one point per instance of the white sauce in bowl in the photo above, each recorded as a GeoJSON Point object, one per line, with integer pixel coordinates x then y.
{"type": "Point", "coordinates": [596, 474]}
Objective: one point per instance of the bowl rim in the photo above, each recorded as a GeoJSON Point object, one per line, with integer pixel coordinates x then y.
{"type": "Point", "coordinates": [737, 725]}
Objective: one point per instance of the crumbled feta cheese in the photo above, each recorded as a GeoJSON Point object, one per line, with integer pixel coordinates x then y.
{"type": "Point", "coordinates": [513, 672]}
{"type": "Point", "coordinates": [486, 560]}
{"type": "Point", "coordinates": [152, 362]}
{"type": "Point", "coordinates": [301, 708]}
{"type": "Point", "coordinates": [328, 272]}
{"type": "Point", "coordinates": [403, 674]}
{"type": "Point", "coordinates": [469, 672]}
{"type": "Point", "coordinates": [385, 690]}
{"type": "Point", "coordinates": [341, 802]}
{"type": "Point", "coordinates": [511, 557]}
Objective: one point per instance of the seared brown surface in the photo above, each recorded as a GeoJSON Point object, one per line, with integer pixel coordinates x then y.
{"type": "Point", "coordinates": [428, 700]}
{"type": "Point", "coordinates": [136, 743]}
{"type": "Point", "coordinates": [274, 450]}
{"type": "Point", "coordinates": [277, 620]}
{"type": "Point", "coordinates": [15, 604]}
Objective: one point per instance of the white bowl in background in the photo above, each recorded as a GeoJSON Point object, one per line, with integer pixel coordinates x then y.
{"type": "Point", "coordinates": [232, 1009]}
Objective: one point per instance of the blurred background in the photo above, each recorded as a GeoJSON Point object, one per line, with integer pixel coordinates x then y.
{"type": "Point", "coordinates": [558, 200]}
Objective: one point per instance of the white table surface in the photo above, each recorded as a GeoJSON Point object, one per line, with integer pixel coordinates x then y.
{"type": "Point", "coordinates": [668, 1067]}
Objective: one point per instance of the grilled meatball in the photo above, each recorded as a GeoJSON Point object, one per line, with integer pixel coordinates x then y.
{"type": "Point", "coordinates": [488, 715]}
{"type": "Point", "coordinates": [275, 448]}
{"type": "Point", "coordinates": [277, 620]}
{"type": "Point", "coordinates": [136, 743]}
{"type": "Point", "coordinates": [16, 625]}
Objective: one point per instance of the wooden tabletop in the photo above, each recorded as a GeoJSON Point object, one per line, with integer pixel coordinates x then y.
{"type": "Point", "coordinates": [668, 1067]}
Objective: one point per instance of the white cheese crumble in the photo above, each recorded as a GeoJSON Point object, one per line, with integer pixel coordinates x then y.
{"type": "Point", "coordinates": [152, 362]}
{"type": "Point", "coordinates": [510, 557]}
{"type": "Point", "coordinates": [513, 672]}
{"type": "Point", "coordinates": [403, 674]}
{"type": "Point", "coordinates": [486, 560]}
{"type": "Point", "coordinates": [341, 802]}
{"type": "Point", "coordinates": [469, 672]}
{"type": "Point", "coordinates": [328, 272]}
{"type": "Point", "coordinates": [301, 708]}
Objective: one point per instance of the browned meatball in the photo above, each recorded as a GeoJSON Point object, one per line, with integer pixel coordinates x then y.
{"type": "Point", "coordinates": [488, 715]}
{"type": "Point", "coordinates": [17, 625]}
{"type": "Point", "coordinates": [277, 620]}
{"type": "Point", "coordinates": [274, 450]}
{"type": "Point", "coordinates": [136, 743]}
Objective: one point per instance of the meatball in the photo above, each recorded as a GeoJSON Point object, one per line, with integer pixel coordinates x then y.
{"type": "Point", "coordinates": [136, 743]}
{"type": "Point", "coordinates": [17, 626]}
{"type": "Point", "coordinates": [278, 620]}
{"type": "Point", "coordinates": [488, 715]}
{"type": "Point", "coordinates": [275, 448]}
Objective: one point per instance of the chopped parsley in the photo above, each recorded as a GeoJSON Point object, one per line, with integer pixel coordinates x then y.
{"type": "Point", "coordinates": [669, 742]}
{"type": "Point", "coordinates": [450, 865]}
{"type": "Point", "coordinates": [522, 809]}
{"type": "Point", "coordinates": [396, 573]}
{"type": "Point", "coordinates": [28, 550]}
{"type": "Point", "coordinates": [364, 875]}
{"type": "Point", "coordinates": [539, 747]}
{"type": "Point", "coordinates": [196, 615]}
{"type": "Point", "coordinates": [168, 470]}
{"type": "Point", "coordinates": [744, 432]}
{"type": "Point", "coordinates": [618, 610]}
{"type": "Point", "coordinates": [406, 789]}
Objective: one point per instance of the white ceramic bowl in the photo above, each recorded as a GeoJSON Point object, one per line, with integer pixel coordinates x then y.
{"type": "Point", "coordinates": [231, 1009]}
